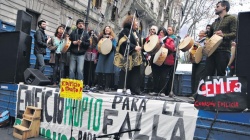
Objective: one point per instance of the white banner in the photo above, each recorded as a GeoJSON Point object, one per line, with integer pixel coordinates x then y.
{"type": "Point", "coordinates": [101, 114]}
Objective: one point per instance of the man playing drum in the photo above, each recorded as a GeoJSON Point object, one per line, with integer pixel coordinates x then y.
{"type": "Point", "coordinates": [224, 26]}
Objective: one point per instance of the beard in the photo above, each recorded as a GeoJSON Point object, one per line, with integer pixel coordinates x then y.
{"type": "Point", "coordinates": [218, 12]}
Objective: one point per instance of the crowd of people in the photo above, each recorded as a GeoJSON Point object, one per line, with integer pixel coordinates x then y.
{"type": "Point", "coordinates": [88, 62]}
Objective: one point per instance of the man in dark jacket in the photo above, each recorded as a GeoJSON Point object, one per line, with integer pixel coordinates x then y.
{"type": "Point", "coordinates": [79, 44]}
{"type": "Point", "coordinates": [40, 45]}
{"type": "Point", "coordinates": [224, 26]}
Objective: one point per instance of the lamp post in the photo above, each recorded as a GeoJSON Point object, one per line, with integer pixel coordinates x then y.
{"type": "Point", "coordinates": [87, 17]}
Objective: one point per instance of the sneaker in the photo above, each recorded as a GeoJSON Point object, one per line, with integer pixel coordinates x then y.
{"type": "Point", "coordinates": [86, 87]}
{"type": "Point", "coordinates": [152, 93]}
{"type": "Point", "coordinates": [162, 94]}
{"type": "Point", "coordinates": [128, 91]}
{"type": "Point", "coordinates": [119, 91]}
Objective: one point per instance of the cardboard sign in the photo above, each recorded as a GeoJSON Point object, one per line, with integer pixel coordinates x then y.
{"type": "Point", "coordinates": [71, 89]}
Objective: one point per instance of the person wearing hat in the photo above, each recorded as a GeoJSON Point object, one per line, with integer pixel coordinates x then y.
{"type": "Point", "coordinates": [79, 44]}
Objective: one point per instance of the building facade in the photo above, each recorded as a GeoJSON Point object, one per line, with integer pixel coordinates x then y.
{"type": "Point", "coordinates": [101, 13]}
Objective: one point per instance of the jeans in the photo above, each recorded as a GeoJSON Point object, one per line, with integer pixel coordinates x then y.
{"type": "Point", "coordinates": [76, 60]}
{"type": "Point", "coordinates": [40, 62]}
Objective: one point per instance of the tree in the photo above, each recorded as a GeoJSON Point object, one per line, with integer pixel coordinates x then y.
{"type": "Point", "coordinates": [195, 11]}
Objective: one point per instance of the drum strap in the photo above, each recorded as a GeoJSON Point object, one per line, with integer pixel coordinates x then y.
{"type": "Point", "coordinates": [120, 61]}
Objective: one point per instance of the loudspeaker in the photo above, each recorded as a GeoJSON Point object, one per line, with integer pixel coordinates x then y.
{"type": "Point", "coordinates": [35, 77]}
{"type": "Point", "coordinates": [23, 21]}
{"type": "Point", "coordinates": [243, 44]}
{"type": "Point", "coordinates": [243, 49]}
{"type": "Point", "coordinates": [14, 56]}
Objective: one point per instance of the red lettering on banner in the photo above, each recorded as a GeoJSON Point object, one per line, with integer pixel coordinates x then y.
{"type": "Point", "coordinates": [220, 104]}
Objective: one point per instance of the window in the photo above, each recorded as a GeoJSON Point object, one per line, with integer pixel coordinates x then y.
{"type": "Point", "coordinates": [96, 4]}
{"type": "Point", "coordinates": [114, 13]}
{"type": "Point", "coordinates": [34, 19]}
{"type": "Point", "coordinates": [152, 6]}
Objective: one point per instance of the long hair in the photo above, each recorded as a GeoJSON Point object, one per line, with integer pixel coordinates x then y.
{"type": "Point", "coordinates": [103, 32]}
{"type": "Point", "coordinates": [128, 21]}
{"type": "Point", "coordinates": [61, 26]}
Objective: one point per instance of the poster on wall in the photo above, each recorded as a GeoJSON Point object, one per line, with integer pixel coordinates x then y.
{"type": "Point", "coordinates": [100, 114]}
{"type": "Point", "coordinates": [222, 93]}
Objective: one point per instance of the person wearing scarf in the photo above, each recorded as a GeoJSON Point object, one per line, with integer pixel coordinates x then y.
{"type": "Point", "coordinates": [58, 42]}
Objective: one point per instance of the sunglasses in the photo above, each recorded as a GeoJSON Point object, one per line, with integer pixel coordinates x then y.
{"type": "Point", "coordinates": [152, 29]}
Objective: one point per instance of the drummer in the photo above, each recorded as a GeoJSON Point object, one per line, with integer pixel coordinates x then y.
{"type": "Point", "coordinates": [198, 70]}
{"type": "Point", "coordinates": [160, 72]}
{"type": "Point", "coordinates": [224, 26]}
{"type": "Point", "coordinates": [105, 66]}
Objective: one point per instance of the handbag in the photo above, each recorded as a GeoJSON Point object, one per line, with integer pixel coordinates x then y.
{"type": "Point", "coordinates": [51, 45]}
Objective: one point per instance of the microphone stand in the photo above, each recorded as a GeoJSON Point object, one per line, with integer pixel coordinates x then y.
{"type": "Point", "coordinates": [171, 94]}
{"type": "Point", "coordinates": [126, 54]}
{"type": "Point", "coordinates": [67, 23]}
{"type": "Point", "coordinates": [116, 134]}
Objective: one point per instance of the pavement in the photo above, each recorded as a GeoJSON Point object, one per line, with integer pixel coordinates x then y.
{"type": "Point", "coordinates": [6, 133]}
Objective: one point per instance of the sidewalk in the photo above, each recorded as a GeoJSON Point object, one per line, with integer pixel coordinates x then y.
{"type": "Point", "coordinates": [6, 133]}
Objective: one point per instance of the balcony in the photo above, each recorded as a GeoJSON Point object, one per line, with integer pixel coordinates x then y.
{"type": "Point", "coordinates": [143, 5]}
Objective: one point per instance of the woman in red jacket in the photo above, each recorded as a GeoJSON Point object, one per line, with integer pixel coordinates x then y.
{"type": "Point", "coordinates": [160, 72]}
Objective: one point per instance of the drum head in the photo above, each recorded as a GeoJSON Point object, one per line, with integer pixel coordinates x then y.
{"type": "Point", "coordinates": [148, 70]}
{"type": "Point", "coordinates": [160, 56]}
{"type": "Point", "coordinates": [151, 43]}
{"type": "Point", "coordinates": [215, 42]}
{"type": "Point", "coordinates": [198, 55]}
{"type": "Point", "coordinates": [106, 46]}
{"type": "Point", "coordinates": [186, 44]}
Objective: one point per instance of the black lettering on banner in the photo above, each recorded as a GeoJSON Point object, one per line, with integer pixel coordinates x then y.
{"type": "Point", "coordinates": [80, 135]}
{"type": "Point", "coordinates": [33, 96]}
{"type": "Point", "coordinates": [177, 111]}
{"type": "Point", "coordinates": [89, 136]}
{"type": "Point", "coordinates": [37, 90]}
{"type": "Point", "coordinates": [126, 122]}
{"type": "Point", "coordinates": [165, 107]}
{"type": "Point", "coordinates": [107, 121]}
{"type": "Point", "coordinates": [47, 95]}
{"type": "Point", "coordinates": [179, 125]}
{"type": "Point", "coordinates": [125, 103]}
{"type": "Point", "coordinates": [134, 106]}
{"type": "Point", "coordinates": [43, 104]}
{"type": "Point", "coordinates": [55, 108]}
{"type": "Point", "coordinates": [85, 137]}
{"type": "Point", "coordinates": [155, 128]}
{"type": "Point", "coordinates": [19, 100]}
{"type": "Point", "coordinates": [138, 136]}
{"type": "Point", "coordinates": [117, 100]}
{"type": "Point", "coordinates": [28, 98]}
{"type": "Point", "coordinates": [143, 105]}
{"type": "Point", "coordinates": [60, 108]}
